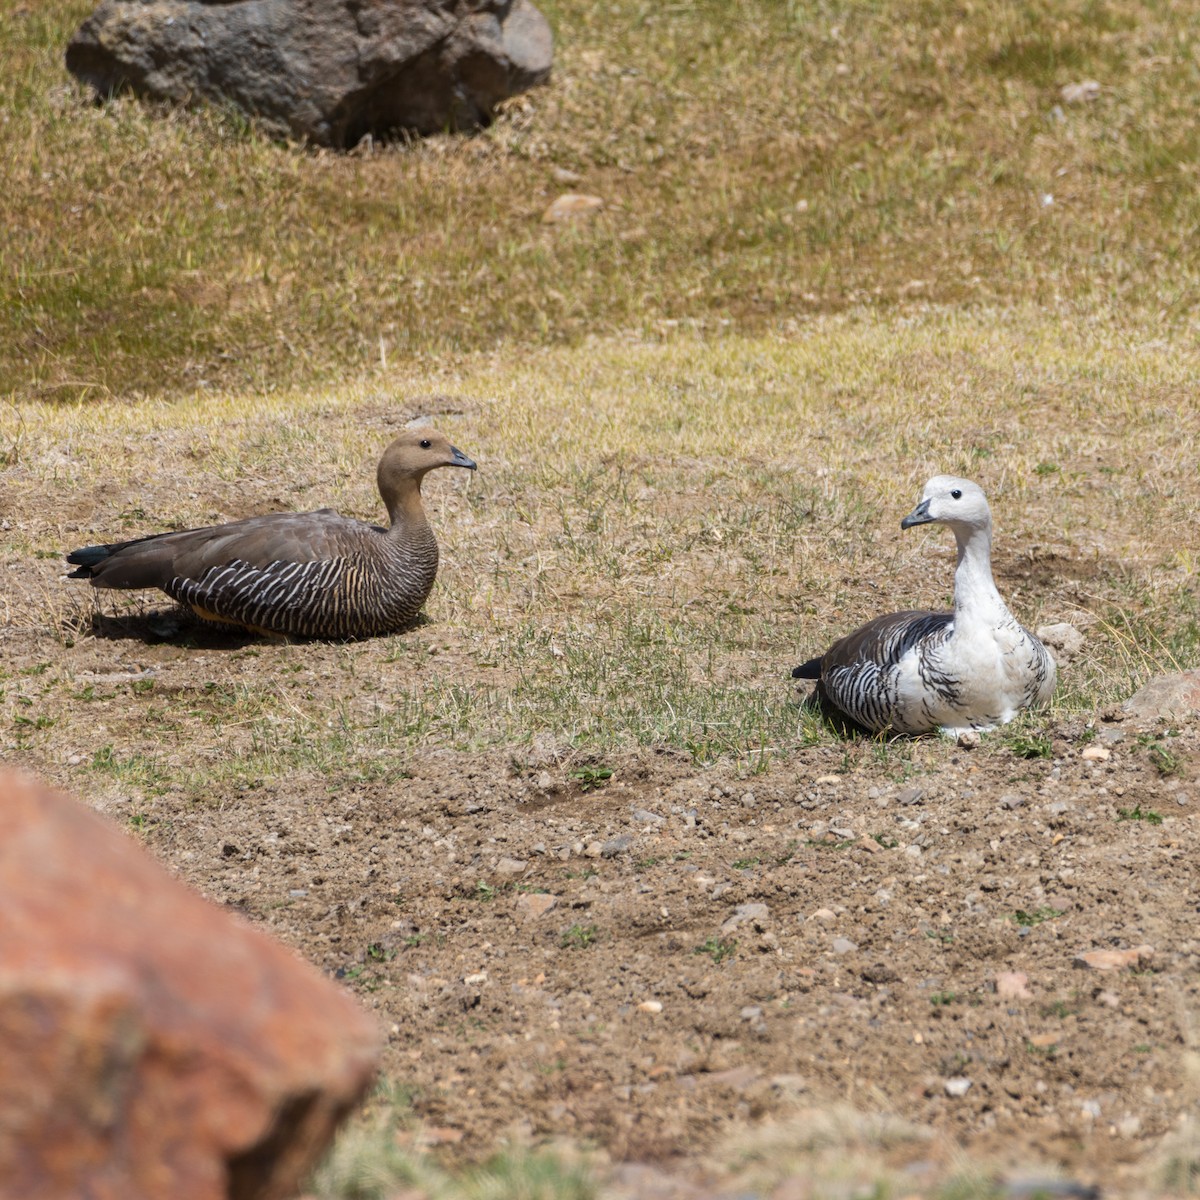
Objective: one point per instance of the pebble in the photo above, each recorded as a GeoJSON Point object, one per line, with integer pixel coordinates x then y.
{"type": "Point", "coordinates": [510, 868]}
{"type": "Point", "coordinates": [752, 1012]}
{"type": "Point", "coordinates": [910, 795]}
{"type": "Point", "coordinates": [651, 1006]}
{"type": "Point", "coordinates": [571, 205]}
{"type": "Point", "coordinates": [1013, 985]}
{"type": "Point", "coordinates": [1079, 93]}
{"type": "Point", "coordinates": [1011, 800]}
{"type": "Point", "coordinates": [536, 904]}
{"type": "Point", "coordinates": [843, 945]}
{"type": "Point", "coordinates": [1063, 639]}
{"type": "Point", "coordinates": [968, 739]}
{"type": "Point", "coordinates": [823, 914]}
{"type": "Point", "coordinates": [957, 1086]}
{"type": "Point", "coordinates": [748, 800]}
{"type": "Point", "coordinates": [757, 914]}
{"type": "Point", "coordinates": [1115, 960]}
{"type": "Point", "coordinates": [616, 845]}
{"type": "Point", "coordinates": [1096, 754]}
{"type": "Point", "coordinates": [646, 817]}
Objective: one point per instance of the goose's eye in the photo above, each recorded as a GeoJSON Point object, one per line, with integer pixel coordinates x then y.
{"type": "Point", "coordinates": [425, 443]}
{"type": "Point", "coordinates": [956, 494]}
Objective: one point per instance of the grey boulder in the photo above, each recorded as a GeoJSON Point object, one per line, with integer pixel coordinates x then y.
{"type": "Point", "coordinates": [326, 71]}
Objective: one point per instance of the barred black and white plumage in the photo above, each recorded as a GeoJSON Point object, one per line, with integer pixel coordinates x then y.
{"type": "Point", "coordinates": [916, 672]}
{"type": "Point", "coordinates": [315, 574]}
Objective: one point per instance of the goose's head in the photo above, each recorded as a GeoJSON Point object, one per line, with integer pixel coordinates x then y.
{"type": "Point", "coordinates": [412, 454]}
{"type": "Point", "coordinates": [951, 501]}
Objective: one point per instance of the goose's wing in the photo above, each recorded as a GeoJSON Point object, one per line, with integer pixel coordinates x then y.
{"type": "Point", "coordinates": [859, 674]}
{"type": "Point", "coordinates": [191, 554]}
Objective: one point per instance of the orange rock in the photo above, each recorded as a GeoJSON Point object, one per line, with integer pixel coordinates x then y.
{"type": "Point", "coordinates": [1115, 960]}
{"type": "Point", "coordinates": [152, 1045]}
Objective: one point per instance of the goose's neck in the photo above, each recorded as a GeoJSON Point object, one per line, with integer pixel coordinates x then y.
{"type": "Point", "coordinates": [975, 594]}
{"type": "Point", "coordinates": [405, 510]}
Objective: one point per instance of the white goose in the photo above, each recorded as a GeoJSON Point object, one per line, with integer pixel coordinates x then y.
{"type": "Point", "coordinates": [916, 672]}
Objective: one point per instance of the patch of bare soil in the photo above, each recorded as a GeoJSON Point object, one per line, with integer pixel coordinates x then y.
{"type": "Point", "coordinates": [647, 960]}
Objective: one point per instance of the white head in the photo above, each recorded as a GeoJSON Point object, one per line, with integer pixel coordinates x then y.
{"type": "Point", "coordinates": [951, 501]}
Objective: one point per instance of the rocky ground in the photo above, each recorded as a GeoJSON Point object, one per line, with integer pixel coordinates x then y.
{"type": "Point", "coordinates": [645, 956]}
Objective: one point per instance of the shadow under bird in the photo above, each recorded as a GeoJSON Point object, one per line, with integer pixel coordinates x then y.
{"type": "Point", "coordinates": [315, 574]}
{"type": "Point", "coordinates": [916, 672]}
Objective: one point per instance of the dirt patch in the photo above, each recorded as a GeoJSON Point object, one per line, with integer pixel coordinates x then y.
{"type": "Point", "coordinates": [648, 958]}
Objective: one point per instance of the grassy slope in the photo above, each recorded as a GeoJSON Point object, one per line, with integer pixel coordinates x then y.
{"type": "Point", "coordinates": [659, 530]}
{"type": "Point", "coordinates": [761, 162]}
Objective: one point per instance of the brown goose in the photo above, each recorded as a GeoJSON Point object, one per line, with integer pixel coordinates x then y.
{"type": "Point", "coordinates": [315, 574]}
{"type": "Point", "coordinates": [916, 672]}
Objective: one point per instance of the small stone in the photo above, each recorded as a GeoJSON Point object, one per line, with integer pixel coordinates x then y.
{"type": "Point", "coordinates": [616, 845]}
{"type": "Point", "coordinates": [968, 739]}
{"type": "Point", "coordinates": [757, 914]}
{"type": "Point", "coordinates": [752, 1012]}
{"type": "Point", "coordinates": [748, 800]}
{"type": "Point", "coordinates": [646, 817]}
{"type": "Point", "coordinates": [1063, 639]}
{"type": "Point", "coordinates": [570, 206]}
{"type": "Point", "coordinates": [843, 945]}
{"type": "Point", "coordinates": [1011, 800]}
{"type": "Point", "coordinates": [536, 904]}
{"type": "Point", "coordinates": [1129, 1126]}
{"type": "Point", "coordinates": [910, 795]}
{"type": "Point", "coordinates": [510, 868]}
{"type": "Point", "coordinates": [1079, 93]}
{"type": "Point", "coordinates": [651, 1006]}
{"type": "Point", "coordinates": [828, 779]}
{"type": "Point", "coordinates": [1013, 985]}
{"type": "Point", "coordinates": [824, 914]}
{"type": "Point", "coordinates": [1096, 754]}
{"type": "Point", "coordinates": [1115, 960]}
{"type": "Point", "coordinates": [593, 850]}
{"type": "Point", "coordinates": [544, 781]}
{"type": "Point", "coordinates": [957, 1086]}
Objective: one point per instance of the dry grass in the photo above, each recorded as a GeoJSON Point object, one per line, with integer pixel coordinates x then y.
{"type": "Point", "coordinates": [656, 534]}
{"type": "Point", "coordinates": [760, 164]}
